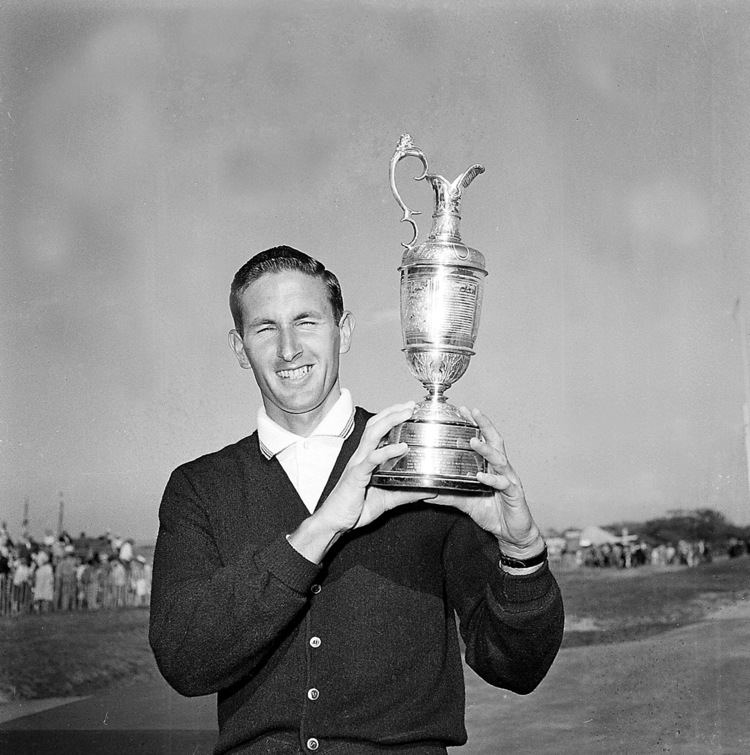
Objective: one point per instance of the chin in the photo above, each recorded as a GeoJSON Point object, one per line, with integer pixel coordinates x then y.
{"type": "Point", "coordinates": [300, 406]}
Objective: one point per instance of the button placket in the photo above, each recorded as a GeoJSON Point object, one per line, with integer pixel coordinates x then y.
{"type": "Point", "coordinates": [312, 694]}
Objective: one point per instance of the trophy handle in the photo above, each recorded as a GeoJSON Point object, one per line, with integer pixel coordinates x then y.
{"type": "Point", "coordinates": [406, 148]}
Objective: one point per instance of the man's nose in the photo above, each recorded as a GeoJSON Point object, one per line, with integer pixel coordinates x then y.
{"type": "Point", "coordinates": [289, 346]}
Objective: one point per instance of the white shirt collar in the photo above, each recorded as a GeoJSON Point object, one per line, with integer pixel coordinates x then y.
{"type": "Point", "coordinates": [337, 423]}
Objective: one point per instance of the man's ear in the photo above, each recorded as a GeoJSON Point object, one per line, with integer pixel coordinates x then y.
{"type": "Point", "coordinates": [346, 328]}
{"type": "Point", "coordinates": [236, 345]}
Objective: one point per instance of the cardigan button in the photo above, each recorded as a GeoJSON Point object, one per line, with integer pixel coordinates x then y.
{"type": "Point", "coordinates": [313, 694]}
{"type": "Point", "coordinates": [312, 744]}
{"type": "Point", "coordinates": [315, 589]}
{"type": "Point", "coordinates": [315, 642]}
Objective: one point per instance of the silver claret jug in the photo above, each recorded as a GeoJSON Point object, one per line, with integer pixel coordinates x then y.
{"type": "Point", "coordinates": [441, 301]}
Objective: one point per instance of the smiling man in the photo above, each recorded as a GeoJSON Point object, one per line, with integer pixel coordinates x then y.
{"type": "Point", "coordinates": [319, 608]}
{"type": "Point", "coordinates": [290, 331]}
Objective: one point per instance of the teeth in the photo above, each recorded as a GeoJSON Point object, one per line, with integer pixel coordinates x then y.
{"type": "Point", "coordinates": [294, 374]}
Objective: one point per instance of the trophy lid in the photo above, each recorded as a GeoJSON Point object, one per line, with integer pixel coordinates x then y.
{"type": "Point", "coordinates": [443, 246]}
{"type": "Point", "coordinates": [434, 252]}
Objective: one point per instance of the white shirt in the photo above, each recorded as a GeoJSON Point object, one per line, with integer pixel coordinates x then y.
{"type": "Point", "coordinates": [308, 461]}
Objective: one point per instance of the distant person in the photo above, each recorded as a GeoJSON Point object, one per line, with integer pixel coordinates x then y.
{"type": "Point", "coordinates": [139, 576]}
{"type": "Point", "coordinates": [321, 609]}
{"type": "Point", "coordinates": [126, 552]}
{"type": "Point", "coordinates": [43, 584]}
{"type": "Point", "coordinates": [105, 590]}
{"type": "Point", "coordinates": [67, 580]}
{"type": "Point", "coordinates": [119, 582]}
{"type": "Point", "coordinates": [4, 562]}
{"type": "Point", "coordinates": [21, 589]}
{"type": "Point", "coordinates": [84, 577]}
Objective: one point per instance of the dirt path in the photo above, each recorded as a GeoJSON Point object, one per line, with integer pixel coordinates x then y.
{"type": "Point", "coordinates": [686, 691]}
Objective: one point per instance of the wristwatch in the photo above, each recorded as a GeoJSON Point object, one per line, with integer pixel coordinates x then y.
{"type": "Point", "coordinates": [523, 563]}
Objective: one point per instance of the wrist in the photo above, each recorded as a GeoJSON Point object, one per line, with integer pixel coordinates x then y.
{"type": "Point", "coordinates": [313, 538]}
{"type": "Point", "coordinates": [523, 550]}
{"type": "Point", "coordinates": [523, 564]}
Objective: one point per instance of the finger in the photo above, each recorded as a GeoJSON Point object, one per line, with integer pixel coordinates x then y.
{"type": "Point", "coordinates": [377, 427]}
{"type": "Point", "coordinates": [382, 454]}
{"type": "Point", "coordinates": [395, 498]}
{"type": "Point", "coordinates": [384, 421]}
{"type": "Point", "coordinates": [503, 483]}
{"type": "Point", "coordinates": [390, 410]}
{"type": "Point", "coordinates": [457, 501]}
{"type": "Point", "coordinates": [466, 414]}
{"type": "Point", "coordinates": [497, 481]}
{"type": "Point", "coordinates": [495, 456]}
{"type": "Point", "coordinates": [488, 430]}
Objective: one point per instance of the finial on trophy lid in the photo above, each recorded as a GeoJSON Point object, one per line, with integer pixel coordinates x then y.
{"type": "Point", "coordinates": [441, 301]}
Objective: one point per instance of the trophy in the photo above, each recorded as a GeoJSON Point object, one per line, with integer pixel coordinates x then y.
{"type": "Point", "coordinates": [441, 302]}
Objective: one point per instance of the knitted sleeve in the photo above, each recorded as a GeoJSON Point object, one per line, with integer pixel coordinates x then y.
{"type": "Point", "coordinates": [213, 624]}
{"type": "Point", "coordinates": [512, 625]}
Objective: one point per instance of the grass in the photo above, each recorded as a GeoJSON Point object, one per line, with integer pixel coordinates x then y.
{"type": "Point", "coordinates": [69, 654]}
{"type": "Point", "coordinates": [612, 605]}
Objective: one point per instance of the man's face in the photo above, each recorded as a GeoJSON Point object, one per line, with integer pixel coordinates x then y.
{"type": "Point", "coordinates": [292, 344]}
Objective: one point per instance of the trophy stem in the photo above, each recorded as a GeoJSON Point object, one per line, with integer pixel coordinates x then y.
{"type": "Point", "coordinates": [434, 408]}
{"type": "Point", "coordinates": [435, 392]}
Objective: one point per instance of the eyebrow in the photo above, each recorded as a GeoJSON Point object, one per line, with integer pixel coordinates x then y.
{"type": "Point", "coordinates": [301, 316]}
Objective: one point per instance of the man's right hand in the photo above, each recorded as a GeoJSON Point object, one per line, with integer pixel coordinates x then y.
{"type": "Point", "coordinates": [354, 502]}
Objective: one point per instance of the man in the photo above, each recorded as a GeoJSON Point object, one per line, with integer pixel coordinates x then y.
{"type": "Point", "coordinates": [320, 608]}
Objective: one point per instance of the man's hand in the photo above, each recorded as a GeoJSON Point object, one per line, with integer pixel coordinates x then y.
{"type": "Point", "coordinates": [505, 514]}
{"type": "Point", "coordinates": [353, 502]}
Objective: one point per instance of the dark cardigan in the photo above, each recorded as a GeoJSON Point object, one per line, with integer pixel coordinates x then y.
{"type": "Point", "coordinates": [361, 650]}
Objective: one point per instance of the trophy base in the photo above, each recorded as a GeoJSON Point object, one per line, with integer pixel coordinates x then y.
{"type": "Point", "coordinates": [429, 482]}
{"type": "Point", "coordinates": [439, 457]}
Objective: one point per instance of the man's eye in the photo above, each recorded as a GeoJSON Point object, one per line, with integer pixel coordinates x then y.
{"type": "Point", "coordinates": [264, 329]}
{"type": "Point", "coordinates": [308, 323]}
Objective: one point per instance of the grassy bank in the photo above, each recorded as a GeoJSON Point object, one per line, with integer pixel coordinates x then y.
{"type": "Point", "coordinates": [69, 654]}
{"type": "Point", "coordinates": [612, 605]}
{"type": "Point", "coordinates": [66, 654]}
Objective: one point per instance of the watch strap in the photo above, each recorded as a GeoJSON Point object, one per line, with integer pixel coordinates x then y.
{"type": "Point", "coordinates": [523, 563]}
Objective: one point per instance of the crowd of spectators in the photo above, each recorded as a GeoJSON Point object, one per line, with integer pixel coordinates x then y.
{"type": "Point", "coordinates": [633, 554]}
{"type": "Point", "coordinates": [630, 555]}
{"type": "Point", "coordinates": [70, 574]}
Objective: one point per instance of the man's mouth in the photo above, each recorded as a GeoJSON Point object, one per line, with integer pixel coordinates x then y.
{"type": "Point", "coordinates": [295, 374]}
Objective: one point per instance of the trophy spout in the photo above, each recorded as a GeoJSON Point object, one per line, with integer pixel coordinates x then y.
{"type": "Point", "coordinates": [448, 194]}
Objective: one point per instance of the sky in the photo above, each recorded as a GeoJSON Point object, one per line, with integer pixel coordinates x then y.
{"type": "Point", "coordinates": [148, 152]}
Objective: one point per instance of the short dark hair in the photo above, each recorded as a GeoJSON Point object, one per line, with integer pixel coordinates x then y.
{"type": "Point", "coordinates": [277, 260]}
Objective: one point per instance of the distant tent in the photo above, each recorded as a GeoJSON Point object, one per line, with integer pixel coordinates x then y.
{"type": "Point", "coordinates": [593, 535]}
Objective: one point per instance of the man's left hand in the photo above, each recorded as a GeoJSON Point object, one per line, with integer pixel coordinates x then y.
{"type": "Point", "coordinates": [506, 513]}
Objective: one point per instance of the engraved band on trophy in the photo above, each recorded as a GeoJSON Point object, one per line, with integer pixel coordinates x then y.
{"type": "Point", "coordinates": [441, 301]}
